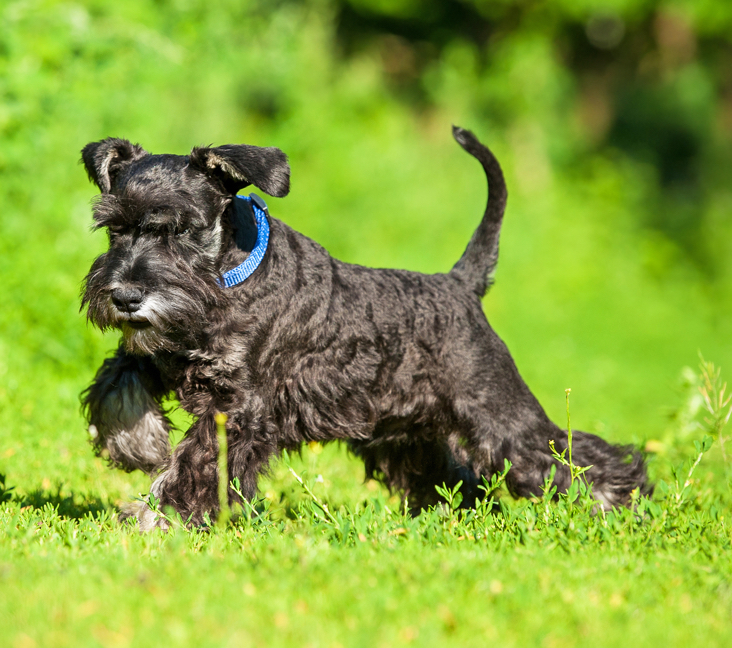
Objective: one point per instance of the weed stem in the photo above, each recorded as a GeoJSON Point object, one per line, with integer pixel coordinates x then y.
{"type": "Point", "coordinates": [569, 438]}
{"type": "Point", "coordinates": [224, 512]}
{"type": "Point", "coordinates": [323, 506]}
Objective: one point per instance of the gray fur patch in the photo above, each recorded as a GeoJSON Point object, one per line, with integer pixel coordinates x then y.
{"type": "Point", "coordinates": [129, 423]}
{"type": "Point", "coordinates": [147, 518]}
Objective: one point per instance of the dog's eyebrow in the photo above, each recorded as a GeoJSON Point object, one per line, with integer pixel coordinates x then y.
{"type": "Point", "coordinates": [163, 216]}
{"type": "Point", "coordinates": [107, 211]}
{"type": "Point", "coordinates": [158, 212]}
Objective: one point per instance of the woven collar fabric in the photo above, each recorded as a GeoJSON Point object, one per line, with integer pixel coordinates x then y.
{"type": "Point", "coordinates": [244, 271]}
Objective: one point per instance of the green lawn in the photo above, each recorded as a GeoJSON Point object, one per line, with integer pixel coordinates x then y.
{"type": "Point", "coordinates": [362, 573]}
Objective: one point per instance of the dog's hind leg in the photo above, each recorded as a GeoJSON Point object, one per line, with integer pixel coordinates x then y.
{"type": "Point", "coordinates": [125, 418]}
{"type": "Point", "coordinates": [615, 471]}
{"type": "Point", "coordinates": [415, 467]}
{"type": "Point", "coordinates": [531, 460]}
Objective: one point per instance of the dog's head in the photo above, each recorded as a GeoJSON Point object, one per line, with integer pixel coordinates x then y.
{"type": "Point", "coordinates": [168, 222]}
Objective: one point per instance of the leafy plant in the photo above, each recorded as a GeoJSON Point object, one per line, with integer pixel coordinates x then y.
{"type": "Point", "coordinates": [5, 490]}
{"type": "Point", "coordinates": [717, 405]}
{"type": "Point", "coordinates": [575, 472]}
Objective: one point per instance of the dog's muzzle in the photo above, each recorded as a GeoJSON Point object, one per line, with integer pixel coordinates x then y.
{"type": "Point", "coordinates": [127, 300]}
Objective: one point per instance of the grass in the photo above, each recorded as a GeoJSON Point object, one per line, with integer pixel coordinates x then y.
{"type": "Point", "coordinates": [319, 560]}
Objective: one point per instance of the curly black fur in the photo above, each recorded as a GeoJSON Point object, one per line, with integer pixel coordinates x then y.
{"type": "Point", "coordinates": [402, 366]}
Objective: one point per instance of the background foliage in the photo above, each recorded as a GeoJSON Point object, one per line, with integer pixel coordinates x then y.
{"type": "Point", "coordinates": [613, 120]}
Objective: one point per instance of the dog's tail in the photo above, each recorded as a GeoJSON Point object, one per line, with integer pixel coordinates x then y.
{"type": "Point", "coordinates": [479, 260]}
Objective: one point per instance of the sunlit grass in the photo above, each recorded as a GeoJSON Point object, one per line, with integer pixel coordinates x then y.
{"type": "Point", "coordinates": [320, 558]}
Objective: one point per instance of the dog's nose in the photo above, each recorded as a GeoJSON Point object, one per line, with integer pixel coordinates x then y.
{"type": "Point", "coordinates": [127, 300]}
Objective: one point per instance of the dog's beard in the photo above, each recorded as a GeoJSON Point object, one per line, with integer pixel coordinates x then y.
{"type": "Point", "coordinates": [168, 320]}
{"type": "Point", "coordinates": [145, 341]}
{"type": "Point", "coordinates": [156, 325]}
{"type": "Point", "coordinates": [165, 322]}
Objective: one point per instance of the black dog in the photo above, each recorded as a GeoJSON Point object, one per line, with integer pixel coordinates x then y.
{"type": "Point", "coordinates": [297, 346]}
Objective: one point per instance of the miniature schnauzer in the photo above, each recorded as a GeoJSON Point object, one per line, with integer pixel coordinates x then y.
{"type": "Point", "coordinates": [233, 311]}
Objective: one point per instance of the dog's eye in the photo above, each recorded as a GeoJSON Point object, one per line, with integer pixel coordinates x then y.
{"type": "Point", "coordinates": [179, 233]}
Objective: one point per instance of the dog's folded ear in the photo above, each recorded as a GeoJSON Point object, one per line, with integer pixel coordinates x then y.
{"type": "Point", "coordinates": [105, 159]}
{"type": "Point", "coordinates": [240, 165]}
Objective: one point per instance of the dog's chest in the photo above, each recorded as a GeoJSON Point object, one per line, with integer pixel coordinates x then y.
{"type": "Point", "coordinates": [202, 380]}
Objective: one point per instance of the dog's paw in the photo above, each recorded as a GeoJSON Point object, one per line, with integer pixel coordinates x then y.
{"type": "Point", "coordinates": [129, 425]}
{"type": "Point", "coordinates": [147, 518]}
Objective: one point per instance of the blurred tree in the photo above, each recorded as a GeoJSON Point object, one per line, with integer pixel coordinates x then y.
{"type": "Point", "coordinates": [651, 79]}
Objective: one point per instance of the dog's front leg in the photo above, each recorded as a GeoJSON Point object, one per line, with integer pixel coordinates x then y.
{"type": "Point", "coordinates": [250, 451]}
{"type": "Point", "coordinates": [125, 418]}
{"type": "Point", "coordinates": [190, 483]}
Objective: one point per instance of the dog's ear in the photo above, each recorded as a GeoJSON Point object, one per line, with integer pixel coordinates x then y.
{"type": "Point", "coordinates": [105, 159]}
{"type": "Point", "coordinates": [239, 165]}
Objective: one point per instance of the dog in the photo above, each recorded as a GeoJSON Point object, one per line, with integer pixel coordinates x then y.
{"type": "Point", "coordinates": [232, 311]}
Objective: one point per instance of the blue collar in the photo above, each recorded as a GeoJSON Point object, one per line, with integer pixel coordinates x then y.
{"type": "Point", "coordinates": [245, 270]}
